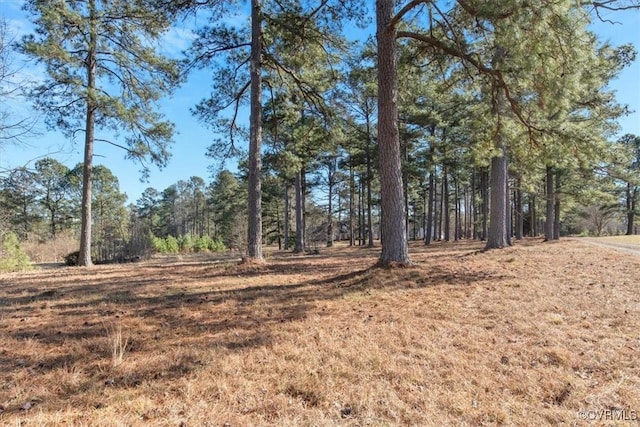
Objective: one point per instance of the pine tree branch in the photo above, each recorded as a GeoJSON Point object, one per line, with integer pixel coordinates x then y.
{"type": "Point", "coordinates": [467, 57]}
{"type": "Point", "coordinates": [406, 9]}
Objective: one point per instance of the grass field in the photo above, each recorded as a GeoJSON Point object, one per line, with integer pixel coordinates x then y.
{"type": "Point", "coordinates": [533, 335]}
{"type": "Point", "coordinates": [623, 240]}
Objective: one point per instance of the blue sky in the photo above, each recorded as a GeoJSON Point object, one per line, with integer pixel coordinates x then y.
{"type": "Point", "coordinates": [193, 138]}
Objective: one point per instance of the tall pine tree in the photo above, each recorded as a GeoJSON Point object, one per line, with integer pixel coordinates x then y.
{"type": "Point", "coordinates": [103, 74]}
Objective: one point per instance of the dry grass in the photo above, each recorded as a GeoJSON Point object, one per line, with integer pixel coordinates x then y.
{"type": "Point", "coordinates": [52, 250]}
{"type": "Point", "coordinates": [628, 240]}
{"type": "Point", "coordinates": [118, 344]}
{"type": "Point", "coordinates": [525, 336]}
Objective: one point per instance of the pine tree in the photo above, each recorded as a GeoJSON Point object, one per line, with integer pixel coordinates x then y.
{"type": "Point", "coordinates": [393, 233]}
{"type": "Point", "coordinates": [308, 22]}
{"type": "Point", "coordinates": [103, 73]}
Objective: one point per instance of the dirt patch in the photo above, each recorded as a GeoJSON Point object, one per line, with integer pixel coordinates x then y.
{"type": "Point", "coordinates": [537, 334]}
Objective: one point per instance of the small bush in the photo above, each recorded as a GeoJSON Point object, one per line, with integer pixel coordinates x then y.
{"type": "Point", "coordinates": [158, 244]}
{"type": "Point", "coordinates": [12, 257]}
{"type": "Point", "coordinates": [72, 259]}
{"type": "Point", "coordinates": [202, 244]}
{"type": "Point", "coordinates": [217, 246]}
{"type": "Point", "coordinates": [171, 245]}
{"type": "Point", "coordinates": [186, 244]}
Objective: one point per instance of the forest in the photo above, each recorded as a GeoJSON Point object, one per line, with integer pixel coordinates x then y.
{"type": "Point", "coordinates": [379, 239]}
{"type": "Point", "coordinates": [461, 121]}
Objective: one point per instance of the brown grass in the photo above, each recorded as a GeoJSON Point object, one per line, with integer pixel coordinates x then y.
{"type": "Point", "coordinates": [624, 240]}
{"type": "Point", "coordinates": [525, 336]}
{"type": "Point", "coordinates": [52, 250]}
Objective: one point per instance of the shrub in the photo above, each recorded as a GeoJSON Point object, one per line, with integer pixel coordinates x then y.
{"type": "Point", "coordinates": [217, 246]}
{"type": "Point", "coordinates": [159, 244]}
{"type": "Point", "coordinates": [171, 245]}
{"type": "Point", "coordinates": [168, 245]}
{"type": "Point", "coordinates": [202, 244]}
{"type": "Point", "coordinates": [12, 257]}
{"type": "Point", "coordinates": [72, 258]}
{"type": "Point", "coordinates": [186, 243]}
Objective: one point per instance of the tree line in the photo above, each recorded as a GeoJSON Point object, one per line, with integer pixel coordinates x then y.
{"type": "Point", "coordinates": [470, 120]}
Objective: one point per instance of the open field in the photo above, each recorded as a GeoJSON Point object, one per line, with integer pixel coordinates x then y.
{"type": "Point", "coordinates": [628, 244]}
{"type": "Point", "coordinates": [629, 240]}
{"type": "Point", "coordinates": [534, 335]}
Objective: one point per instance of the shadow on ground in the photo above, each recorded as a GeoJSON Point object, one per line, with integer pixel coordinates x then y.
{"type": "Point", "coordinates": [66, 316]}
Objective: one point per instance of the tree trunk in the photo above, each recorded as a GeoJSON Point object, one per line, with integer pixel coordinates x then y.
{"type": "Point", "coordinates": [393, 233]}
{"type": "Point", "coordinates": [556, 209]}
{"type": "Point", "coordinates": [556, 220]}
{"type": "Point", "coordinates": [484, 190]}
{"type": "Point", "coordinates": [509, 206]}
{"type": "Point", "coordinates": [474, 205]}
{"type": "Point", "coordinates": [330, 214]}
{"type": "Point", "coordinates": [631, 196]}
{"type": "Point", "coordinates": [466, 197]}
{"type": "Point", "coordinates": [299, 246]}
{"type": "Point", "coordinates": [363, 211]}
{"type": "Point", "coordinates": [498, 234]}
{"type": "Point", "coordinates": [279, 225]}
{"type": "Point", "coordinates": [369, 179]}
{"type": "Point", "coordinates": [437, 211]}
{"type": "Point", "coordinates": [428, 232]}
{"type": "Point", "coordinates": [550, 204]}
{"type": "Point", "coordinates": [405, 186]}
{"type": "Point", "coordinates": [52, 220]}
{"type": "Point", "coordinates": [458, 209]}
{"type": "Point", "coordinates": [352, 190]}
{"type": "Point", "coordinates": [84, 258]}
{"type": "Point", "coordinates": [287, 225]}
{"type": "Point", "coordinates": [533, 221]}
{"type": "Point", "coordinates": [425, 199]}
{"type": "Point", "coordinates": [254, 241]}
{"type": "Point", "coordinates": [446, 212]}
{"type": "Point", "coordinates": [500, 216]}
{"type": "Point", "coordinates": [519, 210]}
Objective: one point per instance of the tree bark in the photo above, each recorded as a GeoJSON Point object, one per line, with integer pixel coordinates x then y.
{"type": "Point", "coordinates": [287, 225]}
{"type": "Point", "coordinates": [631, 208]}
{"type": "Point", "coordinates": [484, 190]}
{"type": "Point", "coordinates": [352, 190]}
{"type": "Point", "coordinates": [550, 204]}
{"type": "Point", "coordinates": [428, 232]}
{"type": "Point", "coordinates": [498, 236]}
{"type": "Point", "coordinates": [446, 211]}
{"type": "Point", "coordinates": [556, 208]}
{"type": "Point", "coordinates": [369, 179]}
{"type": "Point", "coordinates": [556, 220]}
{"type": "Point", "coordinates": [330, 207]}
{"type": "Point", "coordinates": [299, 245]}
{"type": "Point", "coordinates": [254, 240]}
{"type": "Point", "coordinates": [395, 248]}
{"type": "Point", "coordinates": [437, 210]}
{"type": "Point", "coordinates": [84, 258]}
{"type": "Point", "coordinates": [519, 210]}
{"type": "Point", "coordinates": [363, 211]}
{"type": "Point", "coordinates": [458, 209]}
{"type": "Point", "coordinates": [474, 205]}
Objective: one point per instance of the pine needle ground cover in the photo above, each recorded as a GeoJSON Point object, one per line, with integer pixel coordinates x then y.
{"type": "Point", "coordinates": [537, 334]}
